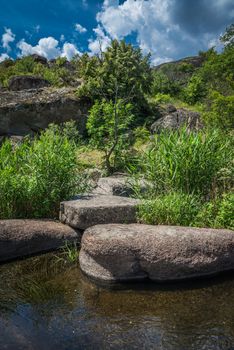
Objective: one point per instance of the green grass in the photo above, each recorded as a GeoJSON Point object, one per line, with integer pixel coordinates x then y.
{"type": "Point", "coordinates": [70, 252]}
{"type": "Point", "coordinates": [37, 174]}
{"type": "Point", "coordinates": [182, 209]}
{"type": "Point", "coordinates": [170, 209]}
{"type": "Point", "coordinates": [194, 163]}
{"type": "Point", "coordinates": [190, 178]}
{"type": "Point", "coordinates": [218, 213]}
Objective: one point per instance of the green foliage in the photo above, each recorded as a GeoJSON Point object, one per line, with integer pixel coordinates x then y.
{"type": "Point", "coordinates": [228, 37]}
{"type": "Point", "coordinates": [171, 78]}
{"type": "Point", "coordinates": [162, 84]}
{"type": "Point", "coordinates": [36, 175]}
{"type": "Point", "coordinates": [107, 126]}
{"type": "Point", "coordinates": [141, 135]}
{"type": "Point", "coordinates": [174, 208]}
{"type": "Point", "coordinates": [186, 67]}
{"type": "Point", "coordinates": [218, 213]}
{"type": "Point", "coordinates": [189, 162]}
{"type": "Point", "coordinates": [56, 74]}
{"type": "Point", "coordinates": [121, 71]}
{"type": "Point", "coordinates": [86, 66]}
{"type": "Point", "coordinates": [195, 90]}
{"type": "Point", "coordinates": [221, 111]}
{"type": "Point", "coordinates": [217, 72]}
{"type": "Point", "coordinates": [162, 98]}
{"type": "Point", "coordinates": [24, 66]}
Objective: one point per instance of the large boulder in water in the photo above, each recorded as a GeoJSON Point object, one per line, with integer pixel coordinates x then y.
{"type": "Point", "coordinates": [20, 238]}
{"type": "Point", "coordinates": [119, 253]}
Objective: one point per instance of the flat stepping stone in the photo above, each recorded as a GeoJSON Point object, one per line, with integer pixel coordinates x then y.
{"type": "Point", "coordinates": [119, 253]}
{"type": "Point", "coordinates": [20, 238]}
{"type": "Point", "coordinates": [92, 210]}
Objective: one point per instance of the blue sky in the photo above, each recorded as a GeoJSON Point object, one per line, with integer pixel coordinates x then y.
{"type": "Point", "coordinates": [169, 29]}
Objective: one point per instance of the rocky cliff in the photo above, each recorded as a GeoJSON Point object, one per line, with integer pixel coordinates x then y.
{"type": "Point", "coordinates": [26, 112]}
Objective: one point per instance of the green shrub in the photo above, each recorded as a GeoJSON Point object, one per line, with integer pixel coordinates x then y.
{"type": "Point", "coordinates": [195, 90]}
{"type": "Point", "coordinates": [141, 136]}
{"type": "Point", "coordinates": [186, 67]}
{"type": "Point", "coordinates": [170, 209]}
{"type": "Point", "coordinates": [36, 175]}
{"type": "Point", "coordinates": [162, 98]}
{"type": "Point", "coordinates": [162, 84]}
{"type": "Point", "coordinates": [221, 111]}
{"type": "Point", "coordinates": [196, 162]}
{"type": "Point", "coordinates": [218, 213]}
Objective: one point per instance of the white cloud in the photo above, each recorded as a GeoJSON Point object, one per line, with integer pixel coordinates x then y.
{"type": "Point", "coordinates": [3, 57]}
{"type": "Point", "coordinates": [7, 38]}
{"type": "Point", "coordinates": [49, 48]}
{"type": "Point", "coordinates": [100, 43]}
{"type": "Point", "coordinates": [84, 4]}
{"type": "Point", "coordinates": [62, 37]}
{"type": "Point", "coordinates": [37, 28]}
{"type": "Point", "coordinates": [145, 18]}
{"type": "Point", "coordinates": [80, 29]}
{"type": "Point", "coordinates": [69, 50]}
{"type": "Point", "coordinates": [46, 47]}
{"type": "Point", "coordinates": [158, 26]}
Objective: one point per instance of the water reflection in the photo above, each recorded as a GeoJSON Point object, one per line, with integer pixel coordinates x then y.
{"type": "Point", "coordinates": [47, 304]}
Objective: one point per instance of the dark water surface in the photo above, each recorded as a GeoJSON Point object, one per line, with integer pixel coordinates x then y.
{"type": "Point", "coordinates": [47, 304]}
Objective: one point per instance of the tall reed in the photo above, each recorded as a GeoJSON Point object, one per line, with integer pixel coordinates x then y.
{"type": "Point", "coordinates": [191, 162]}
{"type": "Point", "coordinates": [36, 175]}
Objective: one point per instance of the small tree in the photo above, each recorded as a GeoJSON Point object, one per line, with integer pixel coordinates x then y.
{"type": "Point", "coordinates": [107, 126]}
{"type": "Point", "coordinates": [122, 66]}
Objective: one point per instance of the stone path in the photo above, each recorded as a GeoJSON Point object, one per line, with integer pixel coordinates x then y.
{"type": "Point", "coordinates": [91, 210]}
{"type": "Point", "coordinates": [19, 238]}
{"type": "Point", "coordinates": [119, 253]}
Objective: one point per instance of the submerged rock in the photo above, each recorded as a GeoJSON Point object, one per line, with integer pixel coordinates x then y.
{"type": "Point", "coordinates": [119, 253]}
{"type": "Point", "coordinates": [90, 210]}
{"type": "Point", "coordinates": [19, 238]}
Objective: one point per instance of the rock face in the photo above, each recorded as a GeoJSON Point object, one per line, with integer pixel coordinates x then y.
{"type": "Point", "coordinates": [20, 238]}
{"type": "Point", "coordinates": [39, 59]}
{"type": "Point", "coordinates": [26, 82]}
{"type": "Point", "coordinates": [114, 185]}
{"type": "Point", "coordinates": [92, 210]}
{"type": "Point", "coordinates": [195, 61]}
{"type": "Point", "coordinates": [118, 185]}
{"type": "Point", "coordinates": [118, 253]}
{"type": "Point", "coordinates": [176, 120]}
{"type": "Point", "coordinates": [29, 111]}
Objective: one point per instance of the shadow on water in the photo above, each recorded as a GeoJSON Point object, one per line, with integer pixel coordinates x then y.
{"type": "Point", "coordinates": [46, 303]}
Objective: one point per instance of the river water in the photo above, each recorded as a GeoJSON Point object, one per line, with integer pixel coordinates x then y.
{"type": "Point", "coordinates": [46, 303]}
